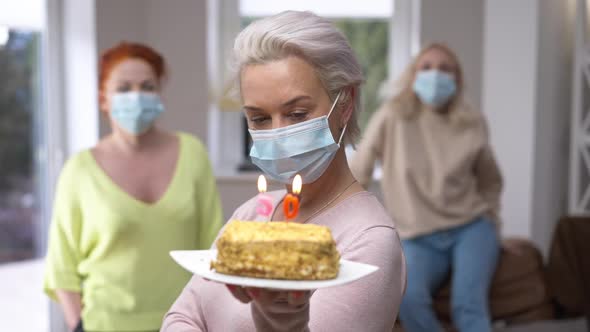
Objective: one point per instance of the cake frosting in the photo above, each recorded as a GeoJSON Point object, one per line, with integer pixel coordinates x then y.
{"type": "Point", "coordinates": [277, 250]}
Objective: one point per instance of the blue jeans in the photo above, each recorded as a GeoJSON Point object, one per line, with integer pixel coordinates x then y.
{"type": "Point", "coordinates": [471, 251]}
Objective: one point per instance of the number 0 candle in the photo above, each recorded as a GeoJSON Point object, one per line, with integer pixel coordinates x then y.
{"type": "Point", "coordinates": [291, 203]}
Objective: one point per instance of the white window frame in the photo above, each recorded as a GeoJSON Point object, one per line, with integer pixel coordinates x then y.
{"type": "Point", "coordinates": [224, 135]}
{"type": "Point", "coordinates": [70, 97]}
{"type": "Point", "coordinates": [54, 134]}
{"type": "Point", "coordinates": [404, 35]}
{"type": "Point", "coordinates": [69, 100]}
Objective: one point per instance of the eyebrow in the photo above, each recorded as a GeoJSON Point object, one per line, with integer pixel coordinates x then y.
{"type": "Point", "coordinates": [252, 109]}
{"type": "Point", "coordinates": [288, 103]}
{"type": "Point", "coordinates": [295, 100]}
{"type": "Point", "coordinates": [145, 80]}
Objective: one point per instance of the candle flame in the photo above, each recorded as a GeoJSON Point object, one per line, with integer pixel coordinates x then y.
{"type": "Point", "coordinates": [261, 184]}
{"type": "Point", "coordinates": [297, 183]}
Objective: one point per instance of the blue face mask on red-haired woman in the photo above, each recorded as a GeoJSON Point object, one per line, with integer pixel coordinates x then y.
{"type": "Point", "coordinates": [136, 111]}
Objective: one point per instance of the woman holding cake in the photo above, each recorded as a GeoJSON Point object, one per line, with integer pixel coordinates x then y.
{"type": "Point", "coordinates": [121, 206]}
{"type": "Point", "coordinates": [442, 186]}
{"type": "Point", "coordinates": [299, 83]}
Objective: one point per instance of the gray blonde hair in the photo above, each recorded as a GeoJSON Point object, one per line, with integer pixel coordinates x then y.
{"type": "Point", "coordinates": [315, 40]}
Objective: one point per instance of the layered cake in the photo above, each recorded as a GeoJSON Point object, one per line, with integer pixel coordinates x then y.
{"type": "Point", "coordinates": [277, 250]}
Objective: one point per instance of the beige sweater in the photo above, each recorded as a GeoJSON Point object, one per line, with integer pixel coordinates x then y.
{"type": "Point", "coordinates": [437, 173]}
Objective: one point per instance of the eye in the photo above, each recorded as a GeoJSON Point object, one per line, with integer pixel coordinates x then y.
{"type": "Point", "coordinates": [446, 68]}
{"type": "Point", "coordinates": [425, 66]}
{"type": "Point", "coordinates": [259, 119]}
{"type": "Point", "coordinates": [148, 86]}
{"type": "Point", "coordinates": [298, 115]}
{"type": "Point", "coordinates": [124, 87]}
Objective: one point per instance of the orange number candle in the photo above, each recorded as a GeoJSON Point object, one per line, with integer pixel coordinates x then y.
{"type": "Point", "coordinates": [291, 203]}
{"type": "Point", "coordinates": [264, 207]}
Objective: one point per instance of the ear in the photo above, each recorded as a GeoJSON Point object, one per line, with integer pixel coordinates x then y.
{"type": "Point", "coordinates": [349, 106]}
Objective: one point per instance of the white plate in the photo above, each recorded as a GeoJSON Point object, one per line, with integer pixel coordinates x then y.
{"type": "Point", "coordinates": [198, 262]}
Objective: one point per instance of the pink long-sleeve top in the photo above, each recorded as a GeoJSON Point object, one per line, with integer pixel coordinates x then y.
{"type": "Point", "coordinates": [363, 232]}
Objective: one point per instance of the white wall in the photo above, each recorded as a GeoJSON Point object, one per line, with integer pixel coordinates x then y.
{"type": "Point", "coordinates": [179, 28]}
{"type": "Point", "coordinates": [527, 70]}
{"type": "Point", "coordinates": [119, 20]}
{"type": "Point", "coordinates": [554, 77]}
{"type": "Point", "coordinates": [458, 23]}
{"type": "Point", "coordinates": [509, 91]}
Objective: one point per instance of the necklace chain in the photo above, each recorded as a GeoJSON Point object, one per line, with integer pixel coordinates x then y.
{"type": "Point", "coordinates": [320, 209]}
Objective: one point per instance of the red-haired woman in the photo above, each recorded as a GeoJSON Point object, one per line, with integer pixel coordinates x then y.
{"type": "Point", "coordinates": [124, 204]}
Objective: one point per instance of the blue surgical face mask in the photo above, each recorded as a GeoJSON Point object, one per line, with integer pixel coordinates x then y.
{"type": "Point", "coordinates": [136, 111]}
{"type": "Point", "coordinates": [305, 148]}
{"type": "Point", "coordinates": [434, 87]}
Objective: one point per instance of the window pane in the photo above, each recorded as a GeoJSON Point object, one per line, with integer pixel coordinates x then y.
{"type": "Point", "coordinates": [19, 95]}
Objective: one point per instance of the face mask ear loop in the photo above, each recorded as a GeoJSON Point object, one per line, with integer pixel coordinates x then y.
{"type": "Point", "coordinates": [342, 135]}
{"type": "Point", "coordinates": [334, 104]}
